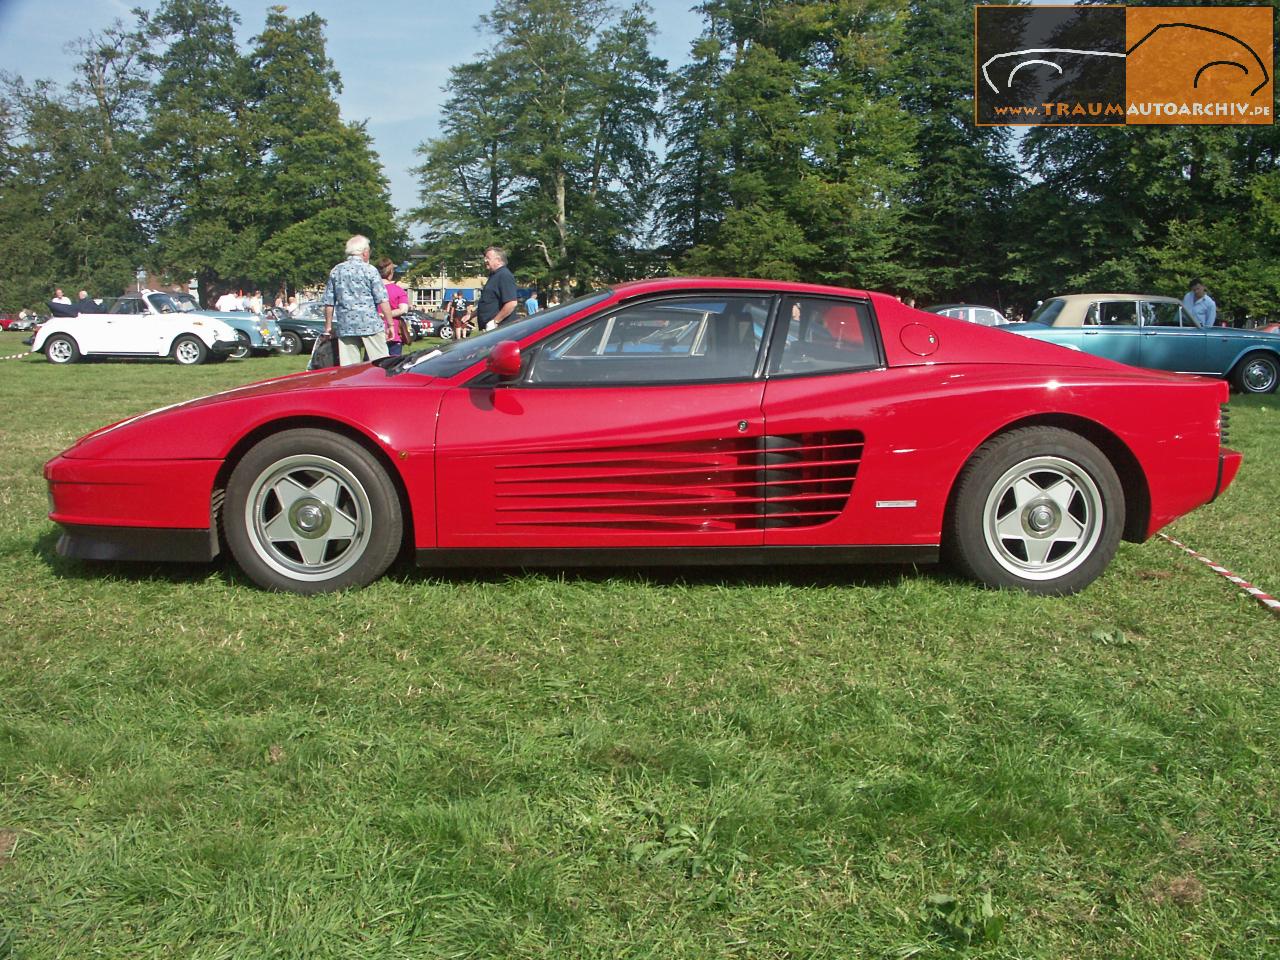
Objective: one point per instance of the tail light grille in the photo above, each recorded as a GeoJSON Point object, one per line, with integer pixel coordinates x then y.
{"type": "Point", "coordinates": [1224, 423]}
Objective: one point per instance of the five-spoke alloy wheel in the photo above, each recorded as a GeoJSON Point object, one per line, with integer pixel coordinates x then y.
{"type": "Point", "coordinates": [61, 349]}
{"type": "Point", "coordinates": [1039, 508]}
{"type": "Point", "coordinates": [311, 511]}
{"type": "Point", "coordinates": [189, 350]}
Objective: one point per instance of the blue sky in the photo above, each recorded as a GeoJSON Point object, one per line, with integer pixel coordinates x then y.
{"type": "Point", "coordinates": [393, 68]}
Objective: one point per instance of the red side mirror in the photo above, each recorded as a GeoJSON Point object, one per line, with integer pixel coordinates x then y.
{"type": "Point", "coordinates": [504, 359]}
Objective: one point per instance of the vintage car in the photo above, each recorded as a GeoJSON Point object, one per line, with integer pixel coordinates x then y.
{"type": "Point", "coordinates": [136, 327]}
{"type": "Point", "coordinates": [299, 330]}
{"type": "Point", "coordinates": [255, 335]}
{"type": "Point", "coordinates": [671, 421]}
{"type": "Point", "coordinates": [1150, 331]}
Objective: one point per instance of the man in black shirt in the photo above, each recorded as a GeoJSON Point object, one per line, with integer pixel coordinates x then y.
{"type": "Point", "coordinates": [498, 298]}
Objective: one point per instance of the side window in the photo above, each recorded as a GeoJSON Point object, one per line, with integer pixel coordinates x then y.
{"type": "Point", "coordinates": [1162, 314]}
{"type": "Point", "coordinates": [815, 335]}
{"type": "Point", "coordinates": [1117, 313]}
{"type": "Point", "coordinates": [126, 305]}
{"type": "Point", "coordinates": [673, 340]}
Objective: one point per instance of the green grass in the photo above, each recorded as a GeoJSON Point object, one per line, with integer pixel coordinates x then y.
{"type": "Point", "coordinates": [866, 762]}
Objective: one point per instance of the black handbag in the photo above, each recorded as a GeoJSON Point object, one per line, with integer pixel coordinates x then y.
{"type": "Point", "coordinates": [324, 353]}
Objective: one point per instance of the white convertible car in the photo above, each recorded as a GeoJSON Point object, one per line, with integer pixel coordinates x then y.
{"type": "Point", "coordinates": [119, 331]}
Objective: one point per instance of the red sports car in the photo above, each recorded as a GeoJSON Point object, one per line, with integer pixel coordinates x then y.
{"type": "Point", "coordinates": [666, 422]}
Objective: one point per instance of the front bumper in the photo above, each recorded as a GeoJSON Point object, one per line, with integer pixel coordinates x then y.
{"type": "Point", "coordinates": [224, 348]}
{"type": "Point", "coordinates": [87, 542]}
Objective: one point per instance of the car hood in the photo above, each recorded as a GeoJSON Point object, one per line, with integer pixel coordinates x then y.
{"type": "Point", "coordinates": [181, 430]}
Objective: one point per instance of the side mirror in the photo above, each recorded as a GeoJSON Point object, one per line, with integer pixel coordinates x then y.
{"type": "Point", "coordinates": [504, 360]}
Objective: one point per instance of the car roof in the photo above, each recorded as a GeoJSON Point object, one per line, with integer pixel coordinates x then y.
{"type": "Point", "coordinates": [967, 306]}
{"type": "Point", "coordinates": [1090, 297]}
{"type": "Point", "coordinates": [636, 288]}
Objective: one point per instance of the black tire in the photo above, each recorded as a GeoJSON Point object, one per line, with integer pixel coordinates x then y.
{"type": "Point", "coordinates": [1040, 509]}
{"type": "Point", "coordinates": [244, 346]}
{"type": "Point", "coordinates": [342, 528]}
{"type": "Point", "coordinates": [189, 351]}
{"type": "Point", "coordinates": [61, 349]}
{"type": "Point", "coordinates": [290, 343]}
{"type": "Point", "coordinates": [1257, 373]}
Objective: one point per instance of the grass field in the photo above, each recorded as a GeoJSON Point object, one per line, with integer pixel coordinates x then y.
{"type": "Point", "coordinates": [866, 762]}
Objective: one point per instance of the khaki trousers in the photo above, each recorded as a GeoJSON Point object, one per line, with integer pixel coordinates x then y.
{"type": "Point", "coordinates": [351, 350]}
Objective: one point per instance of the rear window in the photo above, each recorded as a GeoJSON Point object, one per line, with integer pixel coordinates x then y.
{"type": "Point", "coordinates": [1047, 312]}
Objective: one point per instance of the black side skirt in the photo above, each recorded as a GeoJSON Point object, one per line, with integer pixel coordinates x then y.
{"type": "Point", "coordinates": [80, 542]}
{"type": "Point", "coordinates": [671, 556]}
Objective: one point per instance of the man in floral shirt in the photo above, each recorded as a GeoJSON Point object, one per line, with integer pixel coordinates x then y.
{"type": "Point", "coordinates": [355, 306]}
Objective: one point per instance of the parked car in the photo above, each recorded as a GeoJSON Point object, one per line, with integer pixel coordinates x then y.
{"type": "Point", "coordinates": [255, 335]}
{"type": "Point", "coordinates": [1157, 332]}
{"type": "Point", "coordinates": [29, 322]}
{"type": "Point", "coordinates": [299, 330]}
{"type": "Point", "coordinates": [425, 325]}
{"type": "Point", "coordinates": [986, 316]}
{"type": "Point", "coordinates": [666, 421]}
{"type": "Point", "coordinates": [122, 330]}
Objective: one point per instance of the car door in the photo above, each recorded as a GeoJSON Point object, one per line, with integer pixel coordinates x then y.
{"type": "Point", "coordinates": [824, 361]}
{"type": "Point", "coordinates": [1171, 340]}
{"type": "Point", "coordinates": [638, 427]}
{"type": "Point", "coordinates": [1111, 330]}
{"type": "Point", "coordinates": [105, 332]}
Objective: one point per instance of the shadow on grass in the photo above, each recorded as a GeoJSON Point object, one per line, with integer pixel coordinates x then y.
{"type": "Point", "coordinates": [44, 550]}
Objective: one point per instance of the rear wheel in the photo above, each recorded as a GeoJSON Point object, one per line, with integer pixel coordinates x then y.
{"type": "Point", "coordinates": [189, 350]}
{"type": "Point", "coordinates": [290, 343]}
{"type": "Point", "coordinates": [61, 349]}
{"type": "Point", "coordinates": [1040, 509]}
{"type": "Point", "coordinates": [1257, 373]}
{"type": "Point", "coordinates": [446, 332]}
{"type": "Point", "coordinates": [244, 346]}
{"type": "Point", "coordinates": [309, 511]}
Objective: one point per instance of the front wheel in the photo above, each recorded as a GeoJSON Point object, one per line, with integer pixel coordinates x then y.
{"type": "Point", "coordinates": [1040, 509]}
{"type": "Point", "coordinates": [290, 343]}
{"type": "Point", "coordinates": [243, 346]}
{"type": "Point", "coordinates": [446, 332]}
{"type": "Point", "coordinates": [189, 350]}
{"type": "Point", "coordinates": [1257, 373]}
{"type": "Point", "coordinates": [61, 349]}
{"type": "Point", "coordinates": [309, 511]}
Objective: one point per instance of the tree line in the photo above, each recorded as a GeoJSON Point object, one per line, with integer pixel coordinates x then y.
{"type": "Point", "coordinates": [820, 140]}
{"type": "Point", "coordinates": [830, 141]}
{"type": "Point", "coordinates": [176, 151]}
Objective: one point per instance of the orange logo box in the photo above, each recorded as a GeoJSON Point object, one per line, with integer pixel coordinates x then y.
{"type": "Point", "coordinates": [1199, 65]}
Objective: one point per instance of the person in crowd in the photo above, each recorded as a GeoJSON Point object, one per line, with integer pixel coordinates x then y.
{"type": "Point", "coordinates": [60, 297]}
{"type": "Point", "coordinates": [292, 305]}
{"type": "Point", "coordinates": [1200, 304]}
{"type": "Point", "coordinates": [254, 302]}
{"type": "Point", "coordinates": [455, 312]}
{"type": "Point", "coordinates": [355, 306]}
{"type": "Point", "coordinates": [398, 304]}
{"type": "Point", "coordinates": [531, 305]}
{"type": "Point", "coordinates": [553, 299]}
{"type": "Point", "coordinates": [227, 302]}
{"type": "Point", "coordinates": [498, 297]}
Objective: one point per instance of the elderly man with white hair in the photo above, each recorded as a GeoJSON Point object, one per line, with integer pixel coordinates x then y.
{"type": "Point", "coordinates": [355, 306]}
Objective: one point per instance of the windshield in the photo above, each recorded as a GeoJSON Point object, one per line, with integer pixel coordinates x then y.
{"type": "Point", "coordinates": [457, 355]}
{"type": "Point", "coordinates": [173, 302]}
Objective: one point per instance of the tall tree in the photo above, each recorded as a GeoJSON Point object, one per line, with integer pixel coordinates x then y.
{"type": "Point", "coordinates": [70, 172]}
{"type": "Point", "coordinates": [966, 178]}
{"type": "Point", "coordinates": [816, 155]}
{"type": "Point", "coordinates": [320, 180]}
{"type": "Point", "coordinates": [204, 165]}
{"type": "Point", "coordinates": [546, 141]}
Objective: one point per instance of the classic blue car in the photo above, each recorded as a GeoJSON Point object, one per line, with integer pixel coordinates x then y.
{"type": "Point", "coordinates": [1149, 331]}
